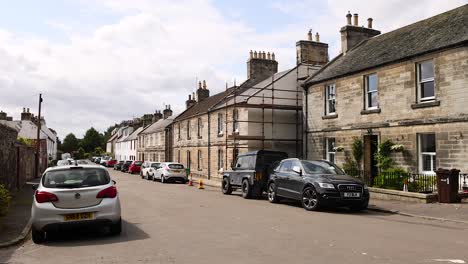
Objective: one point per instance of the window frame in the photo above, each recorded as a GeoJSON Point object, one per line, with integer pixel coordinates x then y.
{"type": "Point", "coordinates": [199, 127]}
{"type": "Point", "coordinates": [199, 160]}
{"type": "Point", "coordinates": [235, 120]}
{"type": "Point", "coordinates": [220, 124]}
{"type": "Point", "coordinates": [188, 129]}
{"type": "Point", "coordinates": [329, 97]}
{"type": "Point", "coordinates": [178, 131]}
{"type": "Point", "coordinates": [220, 159]}
{"type": "Point", "coordinates": [433, 155]}
{"type": "Point", "coordinates": [329, 153]}
{"type": "Point", "coordinates": [419, 81]}
{"type": "Point", "coordinates": [367, 92]}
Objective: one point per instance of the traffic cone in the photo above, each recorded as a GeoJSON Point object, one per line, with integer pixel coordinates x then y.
{"type": "Point", "coordinates": [200, 184]}
{"type": "Point", "coordinates": [190, 182]}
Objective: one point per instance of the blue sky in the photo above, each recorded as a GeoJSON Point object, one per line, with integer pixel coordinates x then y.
{"type": "Point", "coordinates": [109, 60]}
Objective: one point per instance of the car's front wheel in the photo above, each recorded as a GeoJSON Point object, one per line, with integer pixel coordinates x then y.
{"type": "Point", "coordinates": [162, 179]}
{"type": "Point", "coordinates": [116, 228]}
{"type": "Point", "coordinates": [38, 236]}
{"type": "Point", "coordinates": [310, 200]}
{"type": "Point", "coordinates": [272, 197]}
{"type": "Point", "coordinates": [226, 186]}
{"type": "Point", "coordinates": [246, 189]}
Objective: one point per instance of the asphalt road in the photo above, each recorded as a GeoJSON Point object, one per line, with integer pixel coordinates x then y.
{"type": "Point", "coordinates": [174, 223]}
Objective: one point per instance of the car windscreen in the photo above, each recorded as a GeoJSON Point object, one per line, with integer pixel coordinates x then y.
{"type": "Point", "coordinates": [128, 162]}
{"type": "Point", "coordinates": [321, 167]}
{"type": "Point", "coordinates": [176, 166]}
{"type": "Point", "coordinates": [75, 178]}
{"type": "Point", "coordinates": [62, 163]}
{"type": "Point", "coordinates": [138, 163]}
{"type": "Point", "coordinates": [155, 165]}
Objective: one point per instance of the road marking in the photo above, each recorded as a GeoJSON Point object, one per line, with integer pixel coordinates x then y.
{"type": "Point", "coordinates": [450, 260]}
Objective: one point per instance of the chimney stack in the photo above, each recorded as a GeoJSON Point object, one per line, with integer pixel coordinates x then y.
{"type": "Point", "coordinates": [26, 115]}
{"type": "Point", "coordinates": [312, 52]}
{"type": "Point", "coordinates": [3, 115]}
{"type": "Point", "coordinates": [156, 116]}
{"type": "Point", "coordinates": [369, 22]}
{"type": "Point", "coordinates": [167, 112]}
{"type": "Point", "coordinates": [261, 67]}
{"type": "Point", "coordinates": [191, 101]}
{"type": "Point", "coordinates": [202, 91]}
{"type": "Point", "coordinates": [351, 35]}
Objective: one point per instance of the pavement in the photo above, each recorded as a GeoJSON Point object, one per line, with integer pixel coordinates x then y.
{"type": "Point", "coordinates": [175, 223]}
{"type": "Point", "coordinates": [15, 226]}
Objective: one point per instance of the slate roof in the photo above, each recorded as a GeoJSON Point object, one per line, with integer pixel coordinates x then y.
{"type": "Point", "coordinates": [205, 105]}
{"type": "Point", "coordinates": [158, 126]}
{"type": "Point", "coordinates": [112, 138]}
{"type": "Point", "coordinates": [439, 32]}
{"type": "Point", "coordinates": [134, 135]}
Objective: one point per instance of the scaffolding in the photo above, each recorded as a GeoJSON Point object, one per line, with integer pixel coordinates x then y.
{"type": "Point", "coordinates": [275, 98]}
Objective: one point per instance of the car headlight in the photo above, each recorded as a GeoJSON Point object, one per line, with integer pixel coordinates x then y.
{"type": "Point", "coordinates": [325, 185]}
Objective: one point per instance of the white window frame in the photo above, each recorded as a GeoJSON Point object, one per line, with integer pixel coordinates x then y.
{"type": "Point", "coordinates": [329, 98]}
{"type": "Point", "coordinates": [329, 153]}
{"type": "Point", "coordinates": [220, 124]}
{"type": "Point", "coordinates": [199, 160]}
{"type": "Point", "coordinates": [420, 81]}
{"type": "Point", "coordinates": [199, 127]}
{"type": "Point", "coordinates": [235, 118]}
{"type": "Point", "coordinates": [433, 155]}
{"type": "Point", "coordinates": [369, 93]}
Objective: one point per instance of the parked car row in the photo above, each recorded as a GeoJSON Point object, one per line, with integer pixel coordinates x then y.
{"type": "Point", "coordinates": [316, 183]}
{"type": "Point", "coordinates": [128, 166]}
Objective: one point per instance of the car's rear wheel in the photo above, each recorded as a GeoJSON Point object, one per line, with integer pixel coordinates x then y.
{"type": "Point", "coordinates": [116, 228]}
{"type": "Point", "coordinates": [38, 236]}
{"type": "Point", "coordinates": [272, 197]}
{"type": "Point", "coordinates": [226, 186]}
{"type": "Point", "coordinates": [310, 200]}
{"type": "Point", "coordinates": [162, 179]}
{"type": "Point", "coordinates": [246, 189]}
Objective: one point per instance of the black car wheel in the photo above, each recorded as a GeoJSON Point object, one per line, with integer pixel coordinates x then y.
{"type": "Point", "coordinates": [310, 200]}
{"type": "Point", "coordinates": [116, 228]}
{"type": "Point", "coordinates": [162, 179]}
{"type": "Point", "coordinates": [272, 197]}
{"type": "Point", "coordinates": [226, 186]}
{"type": "Point", "coordinates": [38, 236]}
{"type": "Point", "coordinates": [246, 189]}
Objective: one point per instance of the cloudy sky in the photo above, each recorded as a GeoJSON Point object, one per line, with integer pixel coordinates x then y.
{"type": "Point", "coordinates": [97, 62]}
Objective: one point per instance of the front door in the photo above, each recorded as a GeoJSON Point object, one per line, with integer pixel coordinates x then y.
{"type": "Point", "coordinates": [370, 165]}
{"type": "Point", "coordinates": [295, 182]}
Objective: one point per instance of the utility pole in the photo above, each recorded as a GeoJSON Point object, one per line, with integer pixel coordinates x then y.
{"type": "Point", "coordinates": [38, 139]}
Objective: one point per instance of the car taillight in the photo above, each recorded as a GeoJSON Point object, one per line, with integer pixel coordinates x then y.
{"type": "Point", "coordinates": [45, 197]}
{"type": "Point", "coordinates": [110, 192]}
{"type": "Point", "coordinates": [258, 175]}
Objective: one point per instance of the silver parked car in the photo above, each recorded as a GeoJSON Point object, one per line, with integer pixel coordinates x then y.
{"type": "Point", "coordinates": [171, 171]}
{"type": "Point", "coordinates": [71, 196]}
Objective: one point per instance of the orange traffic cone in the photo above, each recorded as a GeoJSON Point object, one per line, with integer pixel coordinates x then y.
{"type": "Point", "coordinates": [200, 184]}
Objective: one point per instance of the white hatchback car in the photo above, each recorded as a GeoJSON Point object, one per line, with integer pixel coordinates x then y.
{"type": "Point", "coordinates": [71, 196]}
{"type": "Point", "coordinates": [171, 171]}
{"type": "Point", "coordinates": [148, 170]}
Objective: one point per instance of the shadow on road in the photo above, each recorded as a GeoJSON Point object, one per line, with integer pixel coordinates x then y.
{"type": "Point", "coordinates": [86, 237]}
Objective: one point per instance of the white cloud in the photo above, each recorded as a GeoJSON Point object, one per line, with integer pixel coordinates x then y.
{"type": "Point", "coordinates": [154, 52]}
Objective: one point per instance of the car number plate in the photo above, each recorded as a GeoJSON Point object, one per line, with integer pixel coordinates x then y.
{"type": "Point", "coordinates": [78, 216]}
{"type": "Point", "coordinates": [176, 171]}
{"type": "Point", "coordinates": [351, 194]}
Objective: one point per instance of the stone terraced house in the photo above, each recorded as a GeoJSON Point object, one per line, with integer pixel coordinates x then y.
{"type": "Point", "coordinates": [264, 112]}
{"type": "Point", "coordinates": [409, 86]}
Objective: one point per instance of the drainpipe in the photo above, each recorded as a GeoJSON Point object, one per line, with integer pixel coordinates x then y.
{"type": "Point", "coordinates": [209, 145]}
{"type": "Point", "coordinates": [306, 123]}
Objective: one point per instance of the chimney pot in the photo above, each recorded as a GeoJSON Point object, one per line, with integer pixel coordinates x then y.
{"type": "Point", "coordinates": [251, 54]}
{"type": "Point", "coordinates": [317, 37]}
{"type": "Point", "coordinates": [24, 110]}
{"type": "Point", "coordinates": [348, 18]}
{"type": "Point", "coordinates": [28, 110]}
{"type": "Point", "coordinates": [199, 85]}
{"type": "Point", "coordinates": [268, 56]}
{"type": "Point", "coordinates": [190, 97]}
{"type": "Point", "coordinates": [356, 20]}
{"type": "Point", "coordinates": [255, 54]}
{"type": "Point", "coordinates": [309, 35]}
{"type": "Point", "coordinates": [272, 56]}
{"type": "Point", "coordinates": [369, 22]}
{"type": "Point", "coordinates": [264, 55]}
{"type": "Point", "coordinates": [204, 84]}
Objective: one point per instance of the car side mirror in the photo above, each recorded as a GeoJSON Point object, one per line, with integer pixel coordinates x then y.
{"type": "Point", "coordinates": [297, 170]}
{"type": "Point", "coordinates": [114, 182]}
{"type": "Point", "coordinates": [35, 186]}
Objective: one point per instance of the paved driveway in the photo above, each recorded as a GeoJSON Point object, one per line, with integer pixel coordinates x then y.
{"type": "Point", "coordinates": [174, 223]}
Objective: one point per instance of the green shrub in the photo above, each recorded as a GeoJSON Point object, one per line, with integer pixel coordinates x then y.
{"type": "Point", "coordinates": [4, 200]}
{"type": "Point", "coordinates": [382, 156]}
{"type": "Point", "coordinates": [358, 151]}
{"type": "Point", "coordinates": [392, 179]}
{"type": "Point", "coordinates": [351, 167]}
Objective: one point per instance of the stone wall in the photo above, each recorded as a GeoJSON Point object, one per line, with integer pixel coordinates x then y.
{"type": "Point", "coordinates": [16, 160]}
{"type": "Point", "coordinates": [398, 118]}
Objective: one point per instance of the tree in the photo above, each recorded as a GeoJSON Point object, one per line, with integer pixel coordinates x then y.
{"type": "Point", "coordinates": [70, 143]}
{"type": "Point", "coordinates": [98, 151]}
{"type": "Point", "coordinates": [108, 134]}
{"type": "Point", "coordinates": [80, 154]}
{"type": "Point", "coordinates": [91, 140]}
